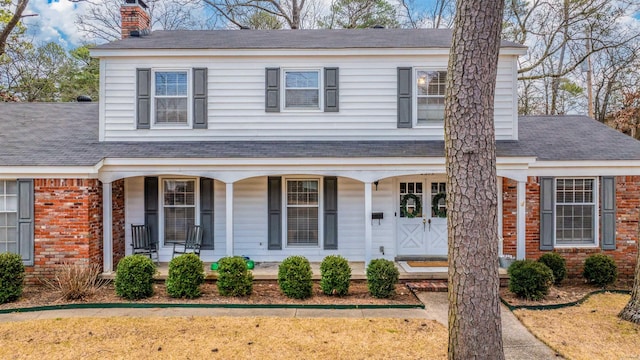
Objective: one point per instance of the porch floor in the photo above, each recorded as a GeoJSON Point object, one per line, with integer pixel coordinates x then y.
{"type": "Point", "coordinates": [269, 271]}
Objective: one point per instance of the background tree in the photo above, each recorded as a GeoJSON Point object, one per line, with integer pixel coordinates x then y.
{"type": "Point", "coordinates": [101, 21]}
{"type": "Point", "coordinates": [10, 16]}
{"type": "Point", "coordinates": [352, 14]}
{"type": "Point", "coordinates": [291, 13]}
{"type": "Point", "coordinates": [434, 14]}
{"type": "Point", "coordinates": [474, 309]}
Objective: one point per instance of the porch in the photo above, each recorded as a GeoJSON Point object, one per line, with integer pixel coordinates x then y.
{"type": "Point", "coordinates": [269, 271]}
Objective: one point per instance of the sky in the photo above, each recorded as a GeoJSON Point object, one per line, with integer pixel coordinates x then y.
{"type": "Point", "coordinates": [55, 22]}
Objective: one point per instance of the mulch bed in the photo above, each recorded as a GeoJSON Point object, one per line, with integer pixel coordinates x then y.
{"type": "Point", "coordinates": [264, 292]}
{"type": "Point", "coordinates": [567, 292]}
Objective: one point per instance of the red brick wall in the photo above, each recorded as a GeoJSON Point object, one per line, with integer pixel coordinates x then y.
{"type": "Point", "coordinates": [118, 221]}
{"type": "Point", "coordinates": [509, 216]}
{"type": "Point", "coordinates": [68, 224]}
{"type": "Point", "coordinates": [627, 213]}
{"type": "Point", "coordinates": [133, 18]}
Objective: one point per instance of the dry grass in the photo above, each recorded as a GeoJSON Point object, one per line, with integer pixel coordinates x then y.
{"type": "Point", "coordinates": [225, 338]}
{"type": "Point", "coordinates": [77, 281]}
{"type": "Point", "coordinates": [591, 330]}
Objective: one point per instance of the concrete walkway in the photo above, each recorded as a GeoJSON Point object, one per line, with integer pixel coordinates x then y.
{"type": "Point", "coordinates": [518, 341]}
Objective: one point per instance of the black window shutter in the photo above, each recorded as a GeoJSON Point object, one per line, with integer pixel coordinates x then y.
{"type": "Point", "coordinates": [206, 212]}
{"type": "Point", "coordinates": [608, 212]}
{"type": "Point", "coordinates": [143, 98]}
{"type": "Point", "coordinates": [547, 212]}
{"type": "Point", "coordinates": [404, 97]}
{"type": "Point", "coordinates": [200, 98]}
{"type": "Point", "coordinates": [272, 90]}
{"type": "Point", "coordinates": [25, 220]}
{"type": "Point", "coordinates": [331, 95]}
{"type": "Point", "coordinates": [151, 214]}
{"type": "Point", "coordinates": [274, 199]}
{"type": "Point", "coordinates": [330, 213]}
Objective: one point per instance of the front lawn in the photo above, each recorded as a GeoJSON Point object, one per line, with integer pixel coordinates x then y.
{"type": "Point", "coordinates": [223, 338]}
{"type": "Point", "coordinates": [591, 330]}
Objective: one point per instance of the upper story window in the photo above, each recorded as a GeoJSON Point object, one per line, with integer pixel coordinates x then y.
{"type": "Point", "coordinates": [576, 211]}
{"type": "Point", "coordinates": [430, 91]}
{"type": "Point", "coordinates": [171, 97]}
{"type": "Point", "coordinates": [302, 89]}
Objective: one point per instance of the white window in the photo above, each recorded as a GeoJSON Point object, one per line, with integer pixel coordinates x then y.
{"type": "Point", "coordinates": [576, 211]}
{"type": "Point", "coordinates": [430, 90]}
{"type": "Point", "coordinates": [8, 216]}
{"type": "Point", "coordinates": [302, 212]}
{"type": "Point", "coordinates": [171, 97]}
{"type": "Point", "coordinates": [179, 208]}
{"type": "Point", "coordinates": [302, 89]}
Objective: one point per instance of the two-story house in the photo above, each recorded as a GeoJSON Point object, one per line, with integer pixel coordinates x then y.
{"type": "Point", "coordinates": [306, 142]}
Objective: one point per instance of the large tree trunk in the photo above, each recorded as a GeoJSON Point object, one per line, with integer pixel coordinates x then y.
{"type": "Point", "coordinates": [631, 312]}
{"type": "Point", "coordinates": [475, 330]}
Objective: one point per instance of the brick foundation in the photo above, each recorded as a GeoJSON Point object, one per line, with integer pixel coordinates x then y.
{"type": "Point", "coordinates": [68, 224]}
{"type": "Point", "coordinates": [627, 213]}
{"type": "Point", "coordinates": [117, 213]}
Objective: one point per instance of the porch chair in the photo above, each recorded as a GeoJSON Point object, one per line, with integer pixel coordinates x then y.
{"type": "Point", "coordinates": [142, 243]}
{"type": "Point", "coordinates": [192, 243]}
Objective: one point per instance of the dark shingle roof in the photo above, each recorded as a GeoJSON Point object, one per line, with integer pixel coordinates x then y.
{"type": "Point", "coordinates": [66, 134]}
{"type": "Point", "coordinates": [291, 39]}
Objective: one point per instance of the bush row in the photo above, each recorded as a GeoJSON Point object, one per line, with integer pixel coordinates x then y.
{"type": "Point", "coordinates": [532, 279]}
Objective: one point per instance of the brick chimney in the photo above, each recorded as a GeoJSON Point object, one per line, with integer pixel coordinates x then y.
{"type": "Point", "coordinates": [135, 19]}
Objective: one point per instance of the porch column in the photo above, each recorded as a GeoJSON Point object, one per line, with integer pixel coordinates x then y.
{"type": "Point", "coordinates": [522, 223]}
{"type": "Point", "coordinates": [107, 234]}
{"type": "Point", "coordinates": [229, 218]}
{"type": "Point", "coordinates": [368, 240]}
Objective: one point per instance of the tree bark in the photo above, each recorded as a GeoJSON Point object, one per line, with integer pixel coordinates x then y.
{"type": "Point", "coordinates": [475, 330]}
{"type": "Point", "coordinates": [631, 312]}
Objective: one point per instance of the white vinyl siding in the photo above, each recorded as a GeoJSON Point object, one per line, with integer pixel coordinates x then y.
{"type": "Point", "coordinates": [8, 216]}
{"type": "Point", "coordinates": [236, 99]}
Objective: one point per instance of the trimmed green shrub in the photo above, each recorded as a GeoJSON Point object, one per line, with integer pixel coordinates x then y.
{"type": "Point", "coordinates": [294, 277]}
{"type": "Point", "coordinates": [233, 277]}
{"type": "Point", "coordinates": [186, 274]}
{"type": "Point", "coordinates": [530, 279]}
{"type": "Point", "coordinates": [335, 275]}
{"type": "Point", "coordinates": [601, 270]}
{"type": "Point", "coordinates": [134, 277]}
{"type": "Point", "coordinates": [382, 276]}
{"type": "Point", "coordinates": [557, 264]}
{"type": "Point", "coordinates": [11, 277]}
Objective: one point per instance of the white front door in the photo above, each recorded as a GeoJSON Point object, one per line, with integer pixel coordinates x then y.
{"type": "Point", "coordinates": [422, 228]}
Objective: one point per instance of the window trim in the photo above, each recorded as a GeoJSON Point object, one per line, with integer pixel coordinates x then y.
{"type": "Point", "coordinates": [285, 207]}
{"type": "Point", "coordinates": [596, 213]}
{"type": "Point", "coordinates": [161, 219]}
{"type": "Point", "coordinates": [283, 90]}
{"type": "Point", "coordinates": [414, 98]}
{"type": "Point", "coordinates": [189, 96]}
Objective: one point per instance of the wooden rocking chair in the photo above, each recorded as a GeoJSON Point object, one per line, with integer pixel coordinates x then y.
{"type": "Point", "coordinates": [142, 243]}
{"type": "Point", "coordinates": [192, 243]}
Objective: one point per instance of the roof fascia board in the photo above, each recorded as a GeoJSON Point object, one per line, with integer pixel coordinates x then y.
{"type": "Point", "coordinates": [585, 168]}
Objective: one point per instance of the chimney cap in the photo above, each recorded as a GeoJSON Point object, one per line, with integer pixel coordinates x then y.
{"type": "Point", "coordinates": [138, 2]}
{"type": "Point", "coordinates": [83, 98]}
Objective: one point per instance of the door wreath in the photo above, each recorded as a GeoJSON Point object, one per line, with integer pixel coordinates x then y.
{"type": "Point", "coordinates": [437, 211]}
{"type": "Point", "coordinates": [416, 209]}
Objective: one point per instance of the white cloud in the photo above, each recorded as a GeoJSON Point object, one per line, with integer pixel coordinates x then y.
{"type": "Point", "coordinates": [55, 22]}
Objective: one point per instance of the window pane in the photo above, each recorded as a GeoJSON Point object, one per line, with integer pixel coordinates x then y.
{"type": "Point", "coordinates": [301, 79]}
{"type": "Point", "coordinates": [302, 212]}
{"type": "Point", "coordinates": [176, 222]}
{"type": "Point", "coordinates": [302, 98]}
{"type": "Point", "coordinates": [171, 110]}
{"type": "Point", "coordinates": [171, 83]}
